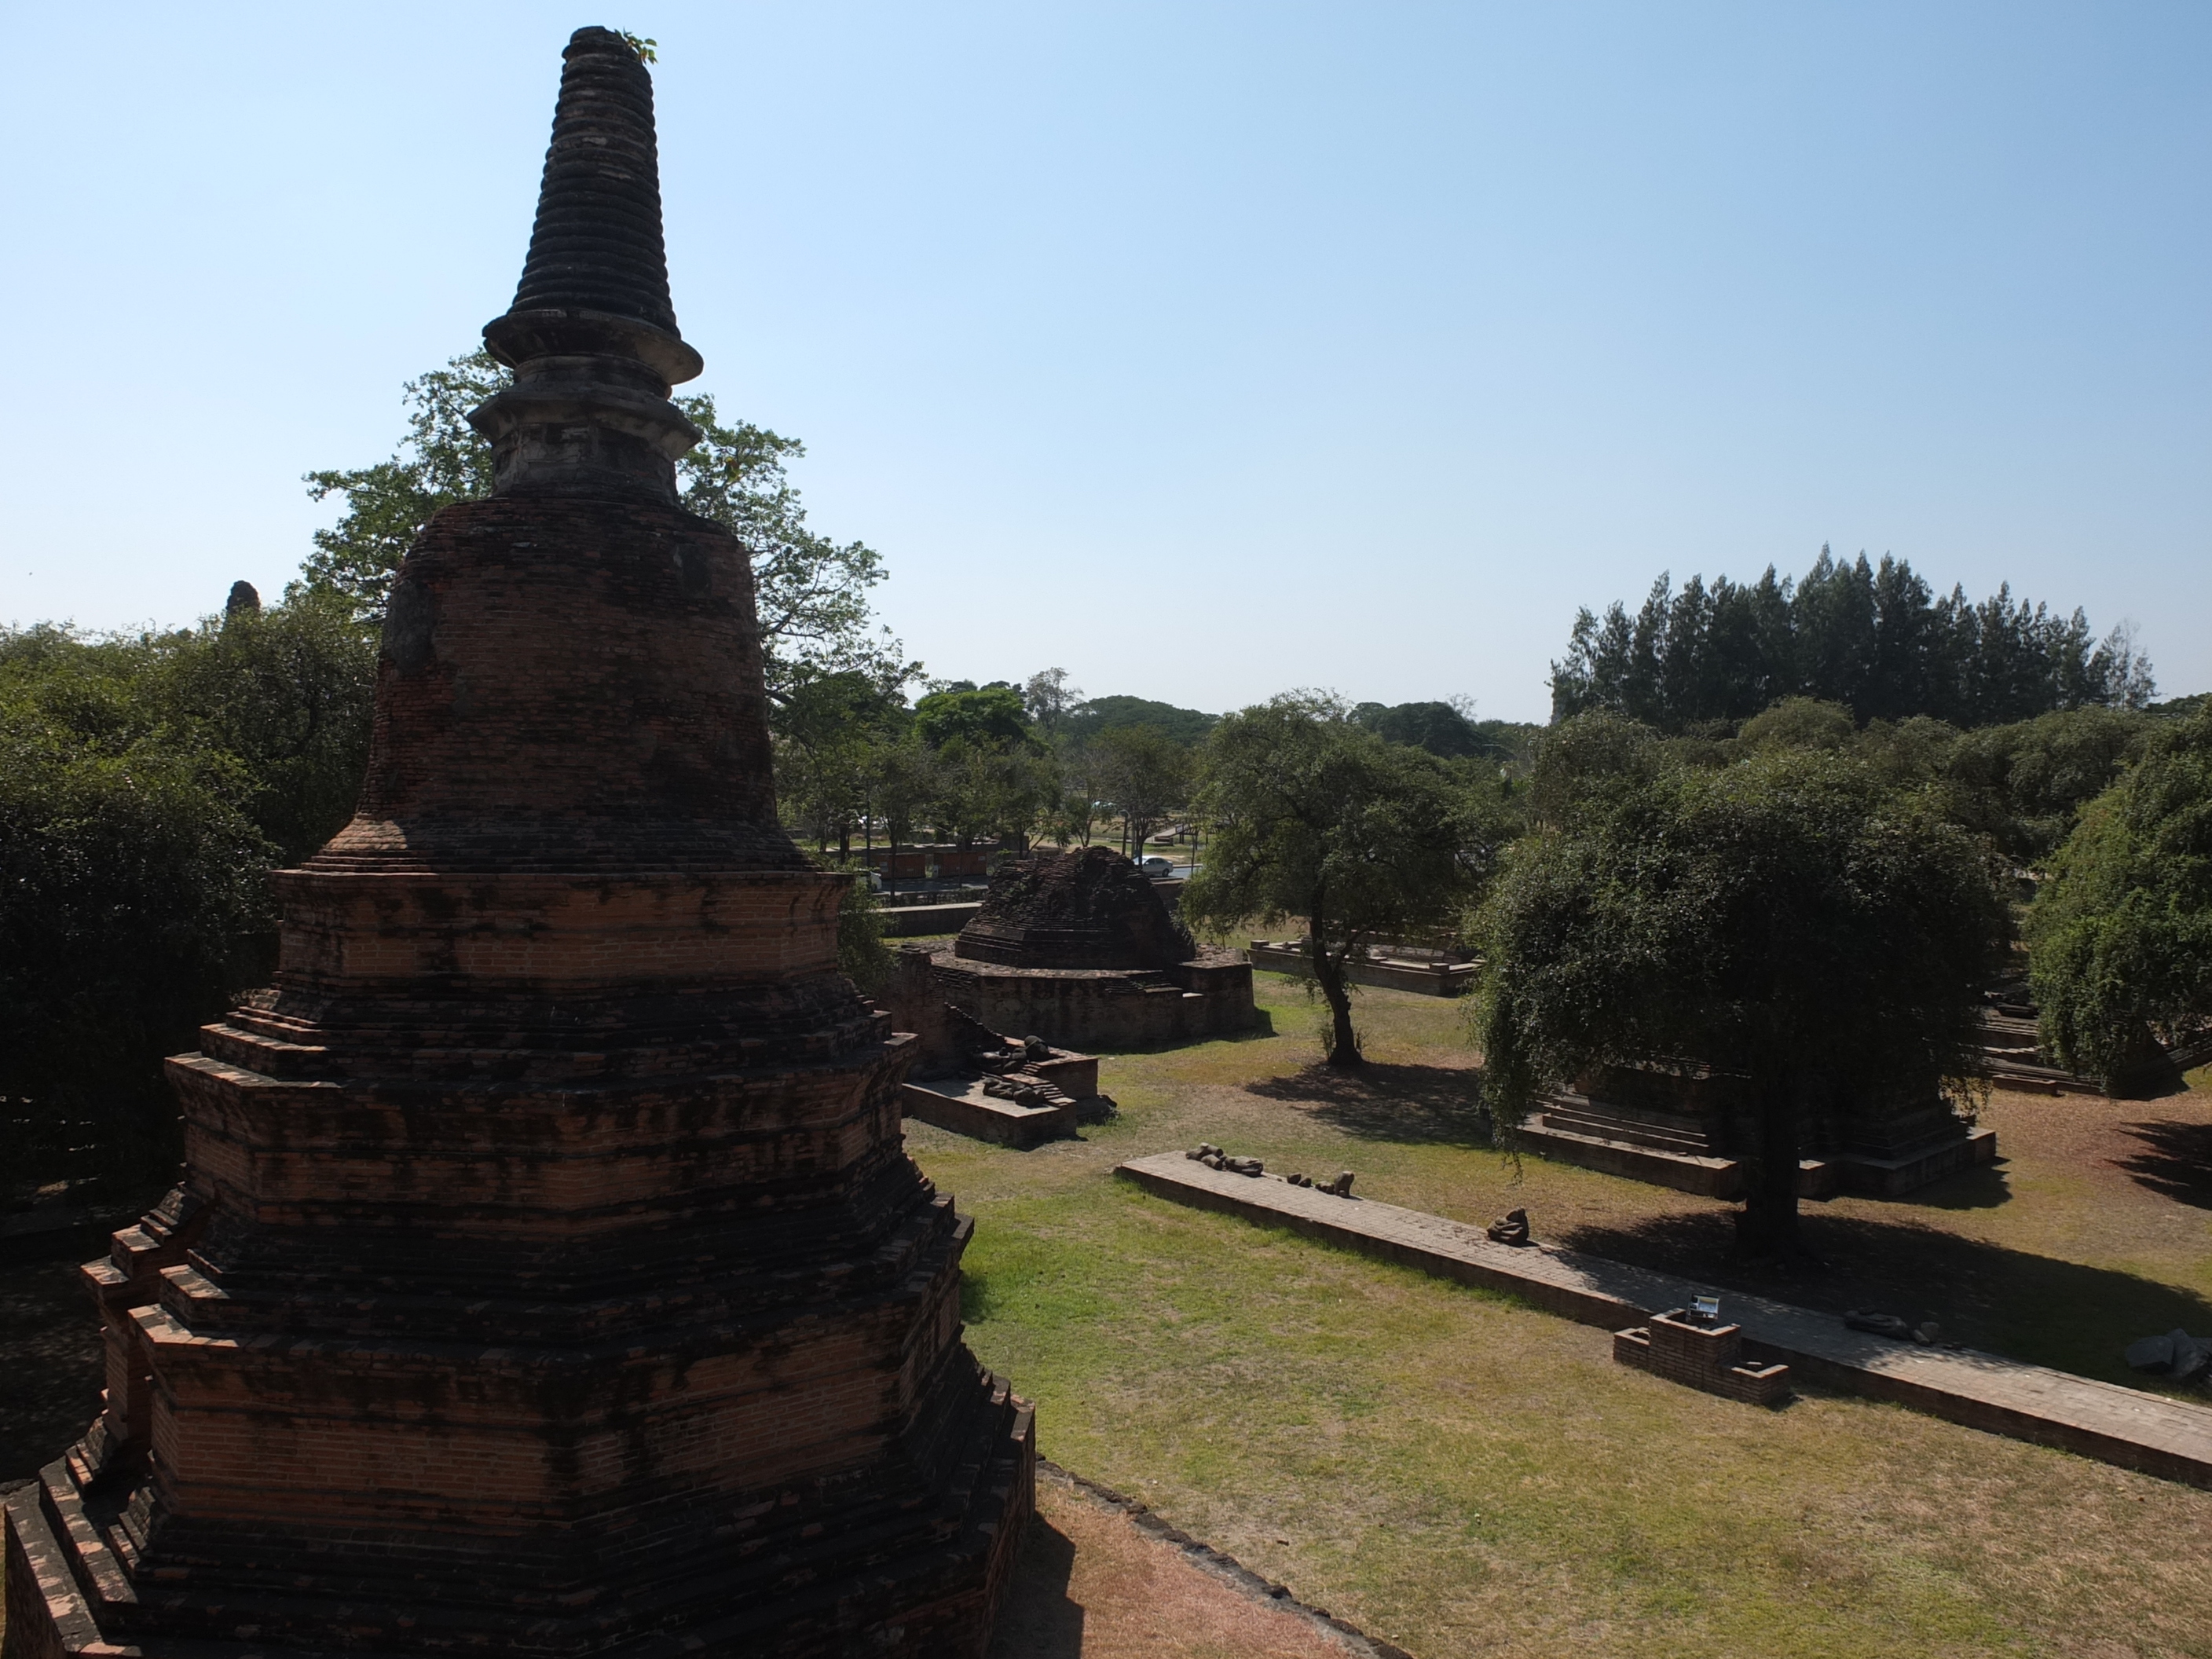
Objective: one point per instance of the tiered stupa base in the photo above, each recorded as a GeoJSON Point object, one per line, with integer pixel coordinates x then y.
{"type": "Point", "coordinates": [549, 1276]}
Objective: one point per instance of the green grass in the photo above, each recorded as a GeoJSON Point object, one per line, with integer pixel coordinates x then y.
{"type": "Point", "coordinates": [1459, 1473]}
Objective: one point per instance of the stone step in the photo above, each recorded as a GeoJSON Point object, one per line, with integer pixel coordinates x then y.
{"type": "Point", "coordinates": [1687, 1172]}
{"type": "Point", "coordinates": [1596, 1121]}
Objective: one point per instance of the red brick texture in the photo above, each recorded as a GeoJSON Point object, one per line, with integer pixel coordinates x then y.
{"type": "Point", "coordinates": [548, 1276]}
{"type": "Point", "coordinates": [1210, 995]}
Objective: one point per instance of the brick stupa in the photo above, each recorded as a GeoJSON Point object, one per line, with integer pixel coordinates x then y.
{"type": "Point", "coordinates": [547, 1275]}
{"type": "Point", "coordinates": [1079, 949]}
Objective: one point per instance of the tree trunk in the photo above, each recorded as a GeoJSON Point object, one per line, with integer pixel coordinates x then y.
{"type": "Point", "coordinates": [1329, 973]}
{"type": "Point", "coordinates": [1767, 1228]}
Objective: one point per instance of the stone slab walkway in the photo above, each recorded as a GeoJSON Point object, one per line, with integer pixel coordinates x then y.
{"type": "Point", "coordinates": [2126, 1426]}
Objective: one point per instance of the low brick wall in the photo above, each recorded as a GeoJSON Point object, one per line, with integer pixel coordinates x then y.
{"type": "Point", "coordinates": [921, 921]}
{"type": "Point", "coordinates": [1103, 1008]}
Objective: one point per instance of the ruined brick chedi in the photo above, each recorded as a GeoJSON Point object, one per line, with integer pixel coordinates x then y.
{"type": "Point", "coordinates": [547, 1275]}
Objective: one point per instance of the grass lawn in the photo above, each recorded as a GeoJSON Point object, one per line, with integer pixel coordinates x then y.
{"type": "Point", "coordinates": [1461, 1473]}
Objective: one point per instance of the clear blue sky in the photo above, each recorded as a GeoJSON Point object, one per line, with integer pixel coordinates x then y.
{"type": "Point", "coordinates": [1204, 351]}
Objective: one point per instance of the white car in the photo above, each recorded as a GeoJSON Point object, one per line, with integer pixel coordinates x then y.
{"type": "Point", "coordinates": [1158, 869]}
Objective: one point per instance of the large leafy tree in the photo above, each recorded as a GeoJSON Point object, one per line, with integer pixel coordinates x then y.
{"type": "Point", "coordinates": [1792, 918]}
{"type": "Point", "coordinates": [289, 692]}
{"type": "Point", "coordinates": [990, 717]}
{"type": "Point", "coordinates": [131, 900]}
{"type": "Point", "coordinates": [812, 591]}
{"type": "Point", "coordinates": [1310, 815]}
{"type": "Point", "coordinates": [2120, 937]}
{"type": "Point", "coordinates": [830, 736]}
{"type": "Point", "coordinates": [1144, 772]}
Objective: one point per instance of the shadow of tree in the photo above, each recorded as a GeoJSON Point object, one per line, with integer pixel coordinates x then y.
{"type": "Point", "coordinates": [1983, 1187]}
{"type": "Point", "coordinates": [2176, 1161]}
{"type": "Point", "coordinates": [1430, 1104]}
{"type": "Point", "coordinates": [2063, 1313]}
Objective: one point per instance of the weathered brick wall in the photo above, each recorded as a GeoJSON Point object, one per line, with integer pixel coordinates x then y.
{"type": "Point", "coordinates": [546, 1225]}
{"type": "Point", "coordinates": [1208, 996]}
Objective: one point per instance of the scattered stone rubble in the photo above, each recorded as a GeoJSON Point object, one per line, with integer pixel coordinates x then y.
{"type": "Point", "coordinates": [2183, 1358]}
{"type": "Point", "coordinates": [1019, 1092]}
{"type": "Point", "coordinates": [1511, 1228]}
{"type": "Point", "coordinates": [1215, 1158]}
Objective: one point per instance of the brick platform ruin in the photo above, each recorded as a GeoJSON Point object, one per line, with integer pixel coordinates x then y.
{"type": "Point", "coordinates": [1076, 948]}
{"type": "Point", "coordinates": [967, 1078]}
{"type": "Point", "coordinates": [547, 1275]}
{"type": "Point", "coordinates": [1682, 1350]}
{"type": "Point", "coordinates": [1674, 1124]}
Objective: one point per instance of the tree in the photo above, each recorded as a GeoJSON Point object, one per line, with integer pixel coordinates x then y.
{"type": "Point", "coordinates": [1047, 698]}
{"type": "Point", "coordinates": [2120, 937]}
{"type": "Point", "coordinates": [1310, 815]}
{"type": "Point", "coordinates": [1790, 919]}
{"type": "Point", "coordinates": [984, 790]}
{"type": "Point", "coordinates": [1077, 783]}
{"type": "Point", "coordinates": [2027, 783]}
{"type": "Point", "coordinates": [1144, 772]}
{"type": "Point", "coordinates": [1873, 639]}
{"type": "Point", "coordinates": [290, 691]}
{"type": "Point", "coordinates": [811, 593]}
{"type": "Point", "coordinates": [1439, 727]}
{"type": "Point", "coordinates": [991, 717]}
{"type": "Point", "coordinates": [132, 902]}
{"type": "Point", "coordinates": [831, 728]}
{"type": "Point", "coordinates": [1087, 719]}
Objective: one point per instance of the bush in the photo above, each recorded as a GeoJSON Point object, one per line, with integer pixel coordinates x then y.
{"type": "Point", "coordinates": [2120, 937]}
{"type": "Point", "coordinates": [148, 785]}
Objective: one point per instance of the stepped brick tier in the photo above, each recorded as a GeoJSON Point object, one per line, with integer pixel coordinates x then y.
{"type": "Point", "coordinates": [1673, 1123]}
{"type": "Point", "coordinates": [547, 1276]}
{"type": "Point", "coordinates": [1079, 949]}
{"type": "Point", "coordinates": [974, 1081]}
{"type": "Point", "coordinates": [2012, 1055]}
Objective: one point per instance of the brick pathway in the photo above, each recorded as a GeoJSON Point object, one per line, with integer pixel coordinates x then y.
{"type": "Point", "coordinates": [2127, 1426]}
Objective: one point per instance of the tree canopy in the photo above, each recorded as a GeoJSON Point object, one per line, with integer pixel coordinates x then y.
{"type": "Point", "coordinates": [1310, 815]}
{"type": "Point", "coordinates": [1145, 774]}
{"type": "Point", "coordinates": [990, 717]}
{"type": "Point", "coordinates": [1791, 918]}
{"type": "Point", "coordinates": [1873, 639]}
{"type": "Point", "coordinates": [2120, 936]}
{"type": "Point", "coordinates": [1186, 727]}
{"type": "Point", "coordinates": [148, 785]}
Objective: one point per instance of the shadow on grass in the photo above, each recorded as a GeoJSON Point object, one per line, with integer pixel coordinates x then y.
{"type": "Point", "coordinates": [1039, 1620]}
{"type": "Point", "coordinates": [2062, 1313]}
{"type": "Point", "coordinates": [1262, 1027]}
{"type": "Point", "coordinates": [1432, 1104]}
{"type": "Point", "coordinates": [1983, 1187]}
{"type": "Point", "coordinates": [2176, 1161]}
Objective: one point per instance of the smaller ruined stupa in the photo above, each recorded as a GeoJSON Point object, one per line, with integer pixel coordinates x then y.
{"type": "Point", "coordinates": [1079, 949]}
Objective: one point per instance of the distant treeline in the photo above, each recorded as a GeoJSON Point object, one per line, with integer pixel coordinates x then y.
{"type": "Point", "coordinates": [1446, 730]}
{"type": "Point", "coordinates": [1872, 638]}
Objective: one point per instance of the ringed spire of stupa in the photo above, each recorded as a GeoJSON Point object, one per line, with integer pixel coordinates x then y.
{"type": "Point", "coordinates": [592, 334]}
